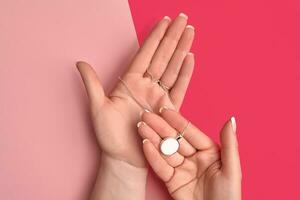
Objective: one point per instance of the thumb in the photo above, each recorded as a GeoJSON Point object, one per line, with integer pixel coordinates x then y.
{"type": "Point", "coordinates": [229, 150]}
{"type": "Point", "coordinates": [92, 84]}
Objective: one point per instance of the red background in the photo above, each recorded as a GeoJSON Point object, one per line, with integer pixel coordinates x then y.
{"type": "Point", "coordinates": [247, 65]}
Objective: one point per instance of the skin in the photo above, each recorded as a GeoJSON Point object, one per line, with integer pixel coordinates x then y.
{"type": "Point", "coordinates": [200, 170]}
{"type": "Point", "coordinates": [164, 54]}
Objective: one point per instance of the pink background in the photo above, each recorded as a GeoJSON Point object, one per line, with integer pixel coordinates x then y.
{"type": "Point", "coordinates": [48, 150]}
{"type": "Point", "coordinates": [247, 65]}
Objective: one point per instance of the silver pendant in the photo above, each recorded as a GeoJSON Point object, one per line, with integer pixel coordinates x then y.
{"type": "Point", "coordinates": [169, 146]}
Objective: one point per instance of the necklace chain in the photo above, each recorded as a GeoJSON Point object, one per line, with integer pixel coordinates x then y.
{"type": "Point", "coordinates": [179, 135]}
{"type": "Point", "coordinates": [132, 96]}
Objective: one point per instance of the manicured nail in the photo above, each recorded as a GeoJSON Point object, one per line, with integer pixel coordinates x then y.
{"type": "Point", "coordinates": [183, 15]}
{"type": "Point", "coordinates": [190, 54]}
{"type": "Point", "coordinates": [167, 17]}
{"type": "Point", "coordinates": [145, 140]}
{"type": "Point", "coordinates": [140, 124]}
{"type": "Point", "coordinates": [233, 124]}
{"type": "Point", "coordinates": [190, 26]}
{"type": "Point", "coordinates": [162, 108]}
{"type": "Point", "coordinates": [145, 110]}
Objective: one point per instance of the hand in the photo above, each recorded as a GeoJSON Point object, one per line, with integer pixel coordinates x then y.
{"type": "Point", "coordinates": [164, 56]}
{"type": "Point", "coordinates": [198, 170]}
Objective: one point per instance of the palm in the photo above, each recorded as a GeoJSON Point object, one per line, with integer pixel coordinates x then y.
{"type": "Point", "coordinates": [164, 54]}
{"type": "Point", "coordinates": [200, 170]}
{"type": "Point", "coordinates": [203, 175]}
{"type": "Point", "coordinates": [115, 122]}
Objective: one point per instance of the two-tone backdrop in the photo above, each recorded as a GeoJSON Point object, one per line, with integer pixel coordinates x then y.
{"type": "Point", "coordinates": [247, 65]}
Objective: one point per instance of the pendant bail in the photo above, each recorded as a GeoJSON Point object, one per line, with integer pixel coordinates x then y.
{"type": "Point", "coordinates": [179, 136]}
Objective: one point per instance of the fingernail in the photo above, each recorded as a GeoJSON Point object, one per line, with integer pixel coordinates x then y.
{"type": "Point", "coordinates": [140, 124]}
{"type": "Point", "coordinates": [190, 26]}
{"type": "Point", "coordinates": [233, 124]}
{"type": "Point", "coordinates": [190, 54]}
{"type": "Point", "coordinates": [162, 108]}
{"type": "Point", "coordinates": [183, 15]}
{"type": "Point", "coordinates": [167, 17]}
{"type": "Point", "coordinates": [145, 110]}
{"type": "Point", "coordinates": [78, 63]}
{"type": "Point", "coordinates": [145, 140]}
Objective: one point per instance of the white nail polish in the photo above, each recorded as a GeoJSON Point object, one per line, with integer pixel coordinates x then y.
{"type": "Point", "coordinates": [143, 111]}
{"type": "Point", "coordinates": [233, 124]}
{"type": "Point", "coordinates": [167, 17]}
{"type": "Point", "coordinates": [183, 15]}
{"type": "Point", "coordinates": [162, 108]}
{"type": "Point", "coordinates": [190, 26]}
{"type": "Point", "coordinates": [145, 140]}
{"type": "Point", "coordinates": [140, 124]}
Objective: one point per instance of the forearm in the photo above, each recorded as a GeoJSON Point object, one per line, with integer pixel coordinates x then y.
{"type": "Point", "coordinates": [119, 180]}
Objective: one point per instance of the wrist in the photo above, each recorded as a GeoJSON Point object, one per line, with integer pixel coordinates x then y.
{"type": "Point", "coordinates": [119, 180]}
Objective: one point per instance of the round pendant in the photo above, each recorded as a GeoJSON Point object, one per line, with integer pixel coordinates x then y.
{"type": "Point", "coordinates": [169, 146]}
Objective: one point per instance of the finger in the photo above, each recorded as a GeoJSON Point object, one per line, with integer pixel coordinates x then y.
{"type": "Point", "coordinates": [179, 88]}
{"type": "Point", "coordinates": [167, 47]}
{"type": "Point", "coordinates": [192, 134]}
{"type": "Point", "coordinates": [147, 132]}
{"type": "Point", "coordinates": [144, 56]}
{"type": "Point", "coordinates": [92, 84]}
{"type": "Point", "coordinates": [229, 150]}
{"type": "Point", "coordinates": [171, 73]}
{"type": "Point", "coordinates": [163, 129]}
{"type": "Point", "coordinates": [158, 164]}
